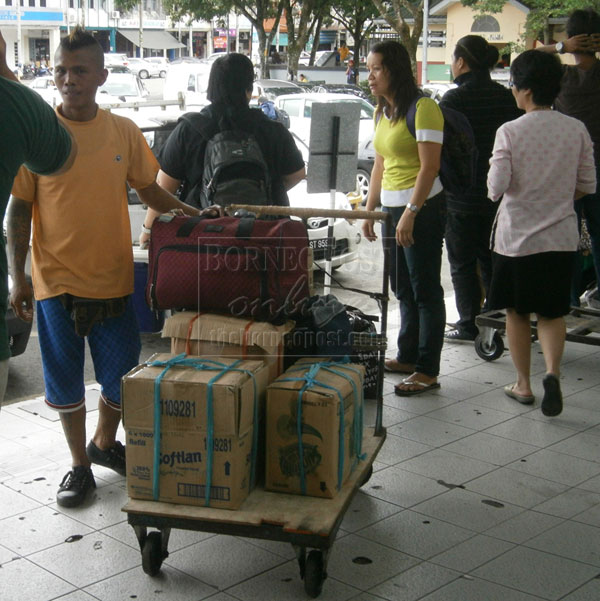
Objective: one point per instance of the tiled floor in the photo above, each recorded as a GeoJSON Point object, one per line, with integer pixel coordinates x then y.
{"type": "Point", "coordinates": [474, 498]}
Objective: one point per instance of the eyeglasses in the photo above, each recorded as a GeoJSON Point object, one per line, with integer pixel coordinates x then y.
{"type": "Point", "coordinates": [511, 83]}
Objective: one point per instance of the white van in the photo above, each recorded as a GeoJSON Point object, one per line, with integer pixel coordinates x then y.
{"type": "Point", "coordinates": [189, 78]}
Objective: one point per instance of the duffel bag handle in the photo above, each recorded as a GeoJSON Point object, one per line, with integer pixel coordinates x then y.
{"type": "Point", "coordinates": [244, 230]}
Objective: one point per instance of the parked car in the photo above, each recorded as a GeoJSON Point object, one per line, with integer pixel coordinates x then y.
{"type": "Point", "coordinates": [46, 88]}
{"type": "Point", "coordinates": [437, 90]}
{"type": "Point", "coordinates": [162, 62]}
{"type": "Point", "coordinates": [189, 78]}
{"type": "Point", "coordinates": [113, 58]}
{"type": "Point", "coordinates": [144, 68]}
{"type": "Point", "coordinates": [340, 88]}
{"type": "Point", "coordinates": [299, 106]}
{"type": "Point", "coordinates": [121, 87]}
{"type": "Point", "coordinates": [272, 88]}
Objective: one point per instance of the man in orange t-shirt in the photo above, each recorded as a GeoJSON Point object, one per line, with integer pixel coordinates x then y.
{"type": "Point", "coordinates": [82, 260]}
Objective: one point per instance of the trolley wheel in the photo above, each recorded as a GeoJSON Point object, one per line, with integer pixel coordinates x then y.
{"type": "Point", "coordinates": [367, 476]}
{"type": "Point", "coordinates": [489, 352]}
{"type": "Point", "coordinates": [152, 554]}
{"type": "Point", "coordinates": [314, 574]}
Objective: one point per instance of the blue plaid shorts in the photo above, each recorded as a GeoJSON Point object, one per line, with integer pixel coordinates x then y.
{"type": "Point", "coordinates": [114, 345]}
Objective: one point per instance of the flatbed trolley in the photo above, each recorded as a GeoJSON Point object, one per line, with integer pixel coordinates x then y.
{"type": "Point", "coordinates": [583, 326]}
{"type": "Point", "coordinates": [310, 524]}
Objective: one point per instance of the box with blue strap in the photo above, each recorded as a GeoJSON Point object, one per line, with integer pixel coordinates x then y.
{"type": "Point", "coordinates": [191, 426]}
{"type": "Point", "coordinates": [314, 427]}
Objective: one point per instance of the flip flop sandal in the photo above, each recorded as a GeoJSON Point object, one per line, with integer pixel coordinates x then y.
{"type": "Point", "coordinates": [552, 404]}
{"type": "Point", "coordinates": [422, 387]}
{"type": "Point", "coordinates": [524, 399]}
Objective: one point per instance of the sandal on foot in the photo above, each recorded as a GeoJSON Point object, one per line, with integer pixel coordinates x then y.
{"type": "Point", "coordinates": [524, 399]}
{"type": "Point", "coordinates": [552, 404]}
{"type": "Point", "coordinates": [422, 387]}
{"type": "Point", "coordinates": [396, 367]}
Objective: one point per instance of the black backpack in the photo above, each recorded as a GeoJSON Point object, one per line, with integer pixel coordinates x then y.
{"type": "Point", "coordinates": [234, 170]}
{"type": "Point", "coordinates": [458, 163]}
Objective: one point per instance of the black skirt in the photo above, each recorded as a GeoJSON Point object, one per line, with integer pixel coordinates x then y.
{"type": "Point", "coordinates": [538, 283]}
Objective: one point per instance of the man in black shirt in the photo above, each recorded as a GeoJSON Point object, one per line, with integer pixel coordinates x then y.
{"type": "Point", "coordinates": [229, 90]}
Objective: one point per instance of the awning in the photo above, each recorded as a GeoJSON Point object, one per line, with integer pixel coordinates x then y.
{"type": "Point", "coordinates": [152, 38]}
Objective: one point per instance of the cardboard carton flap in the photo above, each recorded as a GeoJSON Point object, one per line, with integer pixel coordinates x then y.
{"type": "Point", "coordinates": [223, 329]}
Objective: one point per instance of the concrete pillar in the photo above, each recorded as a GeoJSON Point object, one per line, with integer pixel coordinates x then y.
{"type": "Point", "coordinates": [54, 41]}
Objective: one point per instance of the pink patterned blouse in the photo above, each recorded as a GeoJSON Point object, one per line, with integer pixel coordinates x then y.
{"type": "Point", "coordinates": [538, 162]}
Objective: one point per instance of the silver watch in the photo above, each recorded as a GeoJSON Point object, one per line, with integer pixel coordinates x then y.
{"type": "Point", "coordinates": [560, 47]}
{"type": "Point", "coordinates": [411, 207]}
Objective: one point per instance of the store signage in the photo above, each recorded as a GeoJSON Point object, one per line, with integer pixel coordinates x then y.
{"type": "Point", "coordinates": [492, 37]}
{"type": "Point", "coordinates": [148, 23]}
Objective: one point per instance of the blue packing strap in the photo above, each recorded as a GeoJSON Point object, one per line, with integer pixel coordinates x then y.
{"type": "Point", "coordinates": [310, 379]}
{"type": "Point", "coordinates": [201, 365]}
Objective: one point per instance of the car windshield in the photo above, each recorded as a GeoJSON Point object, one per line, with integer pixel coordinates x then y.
{"type": "Point", "coordinates": [121, 87]}
{"type": "Point", "coordinates": [282, 90]}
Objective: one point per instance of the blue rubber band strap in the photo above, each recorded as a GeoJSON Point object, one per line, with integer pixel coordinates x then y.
{"type": "Point", "coordinates": [309, 379]}
{"type": "Point", "coordinates": [202, 365]}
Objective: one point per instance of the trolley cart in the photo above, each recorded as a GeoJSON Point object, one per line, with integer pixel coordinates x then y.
{"type": "Point", "coordinates": [583, 326]}
{"type": "Point", "coordinates": [310, 524]}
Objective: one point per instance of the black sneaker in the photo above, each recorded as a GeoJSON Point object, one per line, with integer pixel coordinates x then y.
{"type": "Point", "coordinates": [113, 458]}
{"type": "Point", "coordinates": [459, 336]}
{"type": "Point", "coordinates": [75, 486]}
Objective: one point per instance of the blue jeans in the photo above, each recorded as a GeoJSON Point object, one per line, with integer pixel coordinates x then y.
{"type": "Point", "coordinates": [588, 206]}
{"type": "Point", "coordinates": [415, 281]}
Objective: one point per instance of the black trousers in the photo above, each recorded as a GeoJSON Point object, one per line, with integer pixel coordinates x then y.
{"type": "Point", "coordinates": [470, 257]}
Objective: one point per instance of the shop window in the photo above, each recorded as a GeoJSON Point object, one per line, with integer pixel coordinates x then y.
{"type": "Point", "coordinates": [43, 3]}
{"type": "Point", "coordinates": [91, 3]}
{"type": "Point", "coordinates": [8, 2]}
{"type": "Point", "coordinates": [485, 23]}
{"type": "Point", "coordinates": [31, 2]}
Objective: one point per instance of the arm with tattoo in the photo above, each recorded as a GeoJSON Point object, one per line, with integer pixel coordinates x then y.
{"type": "Point", "coordinates": [18, 234]}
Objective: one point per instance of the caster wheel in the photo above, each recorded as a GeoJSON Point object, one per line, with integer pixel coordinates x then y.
{"type": "Point", "coordinates": [314, 574]}
{"type": "Point", "coordinates": [152, 554]}
{"type": "Point", "coordinates": [489, 352]}
{"type": "Point", "coordinates": [367, 476]}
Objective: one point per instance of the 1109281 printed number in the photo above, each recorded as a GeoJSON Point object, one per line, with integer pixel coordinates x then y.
{"type": "Point", "coordinates": [176, 408]}
{"type": "Point", "coordinates": [222, 445]}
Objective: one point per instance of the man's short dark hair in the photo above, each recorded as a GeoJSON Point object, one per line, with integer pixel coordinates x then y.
{"type": "Point", "coordinates": [231, 78]}
{"type": "Point", "coordinates": [539, 72]}
{"type": "Point", "coordinates": [78, 39]}
{"type": "Point", "coordinates": [586, 20]}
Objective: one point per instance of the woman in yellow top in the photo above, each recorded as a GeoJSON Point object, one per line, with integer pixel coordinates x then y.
{"type": "Point", "coordinates": [405, 182]}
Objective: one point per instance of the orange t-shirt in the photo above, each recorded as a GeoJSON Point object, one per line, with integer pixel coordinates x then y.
{"type": "Point", "coordinates": [81, 233]}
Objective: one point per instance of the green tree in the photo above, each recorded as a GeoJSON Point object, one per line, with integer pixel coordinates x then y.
{"type": "Point", "coordinates": [396, 13]}
{"type": "Point", "coordinates": [357, 18]}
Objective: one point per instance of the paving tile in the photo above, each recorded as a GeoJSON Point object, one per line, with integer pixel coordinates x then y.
{"type": "Point", "coordinates": [524, 526]}
{"type": "Point", "coordinates": [283, 582]}
{"type": "Point", "coordinates": [592, 484]}
{"type": "Point", "coordinates": [588, 592]}
{"type": "Point", "coordinates": [467, 509]}
{"type": "Point", "coordinates": [393, 416]}
{"type": "Point", "coordinates": [402, 488]}
{"type": "Point", "coordinates": [12, 502]}
{"type": "Point", "coordinates": [489, 448]}
{"type": "Point", "coordinates": [77, 596]}
{"type": "Point", "coordinates": [574, 540]}
{"type": "Point", "coordinates": [364, 563]}
{"type": "Point", "coordinates": [516, 487]}
{"type": "Point", "coordinates": [557, 467]}
{"type": "Point", "coordinates": [571, 417]}
{"type": "Point", "coordinates": [178, 539]}
{"type": "Point", "coordinates": [496, 399]}
{"type": "Point", "coordinates": [415, 583]}
{"type": "Point", "coordinates": [170, 584]}
{"type": "Point", "coordinates": [529, 431]}
{"type": "Point", "coordinates": [472, 553]}
{"type": "Point", "coordinates": [222, 561]}
{"type": "Point", "coordinates": [93, 558]}
{"type": "Point", "coordinates": [432, 432]}
{"type": "Point", "coordinates": [38, 529]}
{"type": "Point", "coordinates": [454, 388]}
{"type": "Point", "coordinates": [589, 516]}
{"type": "Point", "coordinates": [41, 483]}
{"type": "Point", "coordinates": [284, 550]}
{"type": "Point", "coordinates": [102, 508]}
{"type": "Point", "coordinates": [418, 404]}
{"type": "Point", "coordinates": [396, 449]}
{"type": "Point", "coordinates": [489, 374]}
{"type": "Point", "coordinates": [365, 510]}
{"type": "Point", "coordinates": [441, 464]}
{"type": "Point", "coordinates": [416, 534]}
{"type": "Point", "coordinates": [24, 581]}
{"type": "Point", "coordinates": [365, 597]}
{"type": "Point", "coordinates": [474, 589]}
{"type": "Point", "coordinates": [537, 573]}
{"type": "Point", "coordinates": [570, 503]}
{"type": "Point", "coordinates": [582, 445]}
{"type": "Point", "coordinates": [6, 555]}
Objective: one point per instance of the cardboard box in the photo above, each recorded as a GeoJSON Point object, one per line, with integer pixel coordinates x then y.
{"type": "Point", "coordinates": [184, 456]}
{"type": "Point", "coordinates": [321, 412]}
{"type": "Point", "coordinates": [224, 336]}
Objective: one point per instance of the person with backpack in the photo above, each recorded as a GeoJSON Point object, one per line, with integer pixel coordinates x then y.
{"type": "Point", "coordinates": [405, 181]}
{"type": "Point", "coordinates": [272, 112]}
{"type": "Point", "coordinates": [541, 162]}
{"type": "Point", "coordinates": [228, 151]}
{"type": "Point", "coordinates": [470, 215]}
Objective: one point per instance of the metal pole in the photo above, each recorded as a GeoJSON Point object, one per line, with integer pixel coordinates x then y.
{"type": "Point", "coordinates": [19, 38]}
{"type": "Point", "coordinates": [141, 17]}
{"type": "Point", "coordinates": [425, 42]}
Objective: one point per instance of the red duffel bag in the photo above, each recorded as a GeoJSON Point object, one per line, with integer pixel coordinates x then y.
{"type": "Point", "coordinates": [241, 266]}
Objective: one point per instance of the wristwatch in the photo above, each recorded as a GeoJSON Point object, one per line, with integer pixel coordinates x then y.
{"type": "Point", "coordinates": [146, 230]}
{"type": "Point", "coordinates": [411, 207]}
{"type": "Point", "coordinates": [560, 47]}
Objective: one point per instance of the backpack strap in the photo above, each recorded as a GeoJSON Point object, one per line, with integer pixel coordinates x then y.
{"type": "Point", "coordinates": [411, 115]}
